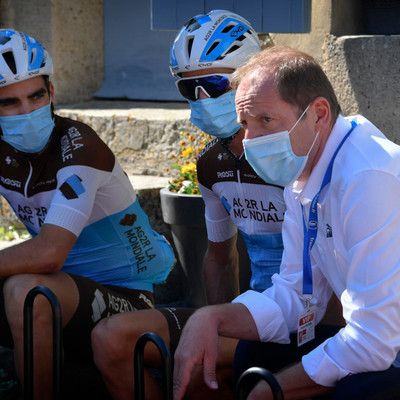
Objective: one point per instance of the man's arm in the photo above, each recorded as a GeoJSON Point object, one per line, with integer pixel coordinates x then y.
{"type": "Point", "coordinates": [199, 341]}
{"type": "Point", "coordinates": [295, 384]}
{"type": "Point", "coordinates": [44, 253]}
{"type": "Point", "coordinates": [221, 271]}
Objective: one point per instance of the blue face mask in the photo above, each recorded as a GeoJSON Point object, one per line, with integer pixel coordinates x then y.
{"type": "Point", "coordinates": [215, 116]}
{"type": "Point", "coordinates": [272, 157]}
{"type": "Point", "coordinates": [28, 132]}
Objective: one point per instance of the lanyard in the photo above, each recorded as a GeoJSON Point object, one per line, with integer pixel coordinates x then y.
{"type": "Point", "coordinates": [310, 234]}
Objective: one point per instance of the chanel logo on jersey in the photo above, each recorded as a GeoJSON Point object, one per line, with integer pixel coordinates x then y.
{"type": "Point", "coordinates": [129, 219]}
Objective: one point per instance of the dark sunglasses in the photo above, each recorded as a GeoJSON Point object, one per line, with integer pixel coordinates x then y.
{"type": "Point", "coordinates": [213, 85]}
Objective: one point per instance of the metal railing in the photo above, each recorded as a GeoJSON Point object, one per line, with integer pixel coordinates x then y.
{"type": "Point", "coordinates": [28, 341]}
{"type": "Point", "coordinates": [166, 365]}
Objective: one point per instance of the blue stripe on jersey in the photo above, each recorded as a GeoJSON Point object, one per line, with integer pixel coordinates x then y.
{"type": "Point", "coordinates": [122, 250]}
{"type": "Point", "coordinates": [226, 204]}
{"type": "Point", "coordinates": [265, 252]}
{"type": "Point", "coordinates": [76, 184]}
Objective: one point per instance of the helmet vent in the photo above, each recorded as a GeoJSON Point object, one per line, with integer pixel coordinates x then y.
{"type": "Point", "coordinates": [4, 40]}
{"type": "Point", "coordinates": [33, 55]}
{"type": "Point", "coordinates": [190, 44]}
{"type": "Point", "coordinates": [192, 25]}
{"type": "Point", "coordinates": [232, 49]}
{"type": "Point", "coordinates": [227, 28]}
{"type": "Point", "coordinates": [213, 46]}
{"type": "Point", "coordinates": [9, 59]}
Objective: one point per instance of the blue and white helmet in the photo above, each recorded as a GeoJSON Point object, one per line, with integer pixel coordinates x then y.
{"type": "Point", "coordinates": [21, 57]}
{"type": "Point", "coordinates": [219, 39]}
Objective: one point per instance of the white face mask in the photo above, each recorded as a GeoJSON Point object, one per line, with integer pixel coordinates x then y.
{"type": "Point", "coordinates": [272, 158]}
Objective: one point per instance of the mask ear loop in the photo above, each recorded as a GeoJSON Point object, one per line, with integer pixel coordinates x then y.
{"type": "Point", "coordinates": [300, 118]}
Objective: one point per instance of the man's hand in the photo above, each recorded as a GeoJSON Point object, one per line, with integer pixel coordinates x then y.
{"type": "Point", "coordinates": [197, 346]}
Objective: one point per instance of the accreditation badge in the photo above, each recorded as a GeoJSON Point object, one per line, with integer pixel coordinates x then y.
{"type": "Point", "coordinates": [306, 326]}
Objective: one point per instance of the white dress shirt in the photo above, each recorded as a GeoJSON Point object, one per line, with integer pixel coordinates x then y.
{"type": "Point", "coordinates": [356, 254]}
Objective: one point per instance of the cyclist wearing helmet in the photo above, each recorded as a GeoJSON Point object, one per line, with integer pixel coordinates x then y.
{"type": "Point", "coordinates": [92, 244]}
{"type": "Point", "coordinates": [204, 54]}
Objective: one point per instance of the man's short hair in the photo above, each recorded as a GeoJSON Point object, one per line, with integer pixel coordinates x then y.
{"type": "Point", "coordinates": [298, 77]}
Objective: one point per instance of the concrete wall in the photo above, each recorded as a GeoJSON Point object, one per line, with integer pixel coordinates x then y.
{"type": "Point", "coordinates": [72, 32]}
{"type": "Point", "coordinates": [365, 73]}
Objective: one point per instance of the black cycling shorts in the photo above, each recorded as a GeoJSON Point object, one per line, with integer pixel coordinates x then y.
{"type": "Point", "coordinates": [96, 302]}
{"type": "Point", "coordinates": [176, 318]}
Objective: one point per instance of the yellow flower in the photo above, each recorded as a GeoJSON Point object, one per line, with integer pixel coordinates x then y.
{"type": "Point", "coordinates": [188, 151]}
{"type": "Point", "coordinates": [188, 167]}
{"type": "Point", "coordinates": [185, 179]}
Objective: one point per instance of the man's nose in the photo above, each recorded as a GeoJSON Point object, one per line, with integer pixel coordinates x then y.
{"type": "Point", "coordinates": [250, 131]}
{"type": "Point", "coordinates": [25, 108]}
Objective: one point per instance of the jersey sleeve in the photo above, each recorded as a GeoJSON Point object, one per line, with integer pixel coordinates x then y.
{"type": "Point", "coordinates": [220, 227]}
{"type": "Point", "coordinates": [72, 204]}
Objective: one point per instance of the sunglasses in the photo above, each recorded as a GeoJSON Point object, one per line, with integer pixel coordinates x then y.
{"type": "Point", "coordinates": [213, 85]}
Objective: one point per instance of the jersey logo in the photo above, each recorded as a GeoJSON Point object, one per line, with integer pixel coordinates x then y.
{"type": "Point", "coordinates": [129, 219]}
{"type": "Point", "coordinates": [98, 305]}
{"type": "Point", "coordinates": [11, 161]}
{"type": "Point", "coordinates": [328, 231]}
{"type": "Point", "coordinates": [225, 174]}
{"type": "Point", "coordinates": [223, 156]}
{"type": "Point", "coordinates": [72, 187]}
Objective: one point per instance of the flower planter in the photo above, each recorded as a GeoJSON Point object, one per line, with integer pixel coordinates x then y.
{"type": "Point", "coordinates": [185, 215]}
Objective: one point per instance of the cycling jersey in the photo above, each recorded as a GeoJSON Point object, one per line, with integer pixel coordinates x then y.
{"type": "Point", "coordinates": [236, 198]}
{"type": "Point", "coordinates": [77, 183]}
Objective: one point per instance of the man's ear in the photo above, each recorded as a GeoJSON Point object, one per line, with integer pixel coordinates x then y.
{"type": "Point", "coordinates": [51, 89]}
{"type": "Point", "coordinates": [323, 114]}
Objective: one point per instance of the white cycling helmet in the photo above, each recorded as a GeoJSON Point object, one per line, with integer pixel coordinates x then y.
{"type": "Point", "coordinates": [219, 39]}
{"type": "Point", "coordinates": [21, 57]}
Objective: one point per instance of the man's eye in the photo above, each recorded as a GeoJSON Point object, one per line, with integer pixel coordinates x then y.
{"type": "Point", "coordinates": [266, 119]}
{"type": "Point", "coordinates": [243, 123]}
{"type": "Point", "coordinates": [38, 96]}
{"type": "Point", "coordinates": [5, 104]}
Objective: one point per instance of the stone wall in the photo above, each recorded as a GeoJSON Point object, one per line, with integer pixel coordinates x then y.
{"type": "Point", "coordinates": [364, 71]}
{"type": "Point", "coordinates": [144, 136]}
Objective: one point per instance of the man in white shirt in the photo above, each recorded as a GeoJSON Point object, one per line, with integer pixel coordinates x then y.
{"type": "Point", "coordinates": [341, 178]}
